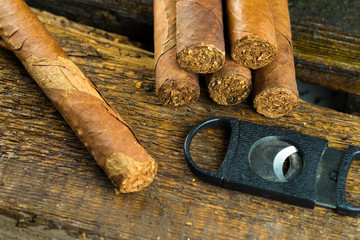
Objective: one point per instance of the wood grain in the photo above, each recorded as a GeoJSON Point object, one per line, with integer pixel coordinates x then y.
{"type": "Point", "coordinates": [329, 59]}
{"type": "Point", "coordinates": [49, 181]}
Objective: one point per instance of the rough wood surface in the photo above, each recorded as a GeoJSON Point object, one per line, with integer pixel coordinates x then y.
{"type": "Point", "coordinates": [49, 181]}
{"type": "Point", "coordinates": [326, 34]}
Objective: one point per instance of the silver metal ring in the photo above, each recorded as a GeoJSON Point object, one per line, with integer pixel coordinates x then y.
{"type": "Point", "coordinates": [279, 160]}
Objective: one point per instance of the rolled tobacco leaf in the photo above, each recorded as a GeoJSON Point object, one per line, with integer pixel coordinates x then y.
{"type": "Point", "coordinates": [99, 127]}
{"type": "Point", "coordinates": [231, 84]}
{"type": "Point", "coordinates": [275, 92]}
{"type": "Point", "coordinates": [251, 32]}
{"type": "Point", "coordinates": [200, 35]}
{"type": "Point", "coordinates": [174, 85]}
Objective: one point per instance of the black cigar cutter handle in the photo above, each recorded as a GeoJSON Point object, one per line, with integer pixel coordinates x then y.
{"type": "Point", "coordinates": [253, 163]}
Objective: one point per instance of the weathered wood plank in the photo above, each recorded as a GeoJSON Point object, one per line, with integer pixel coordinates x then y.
{"type": "Point", "coordinates": [335, 15]}
{"type": "Point", "coordinates": [326, 58]}
{"type": "Point", "coordinates": [47, 178]}
{"type": "Point", "coordinates": [8, 231]}
{"type": "Point", "coordinates": [131, 18]}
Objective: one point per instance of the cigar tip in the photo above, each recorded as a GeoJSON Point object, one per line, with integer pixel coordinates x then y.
{"type": "Point", "coordinates": [253, 52]}
{"type": "Point", "coordinates": [201, 59]}
{"type": "Point", "coordinates": [129, 175]}
{"type": "Point", "coordinates": [275, 102]}
{"type": "Point", "coordinates": [229, 89]}
{"type": "Point", "coordinates": [178, 92]}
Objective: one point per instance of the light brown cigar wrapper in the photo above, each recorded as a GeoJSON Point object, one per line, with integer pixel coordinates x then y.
{"type": "Point", "coordinates": [200, 35]}
{"type": "Point", "coordinates": [174, 86]}
{"type": "Point", "coordinates": [231, 84]}
{"type": "Point", "coordinates": [251, 32]}
{"type": "Point", "coordinates": [275, 92]}
{"type": "Point", "coordinates": [99, 127]}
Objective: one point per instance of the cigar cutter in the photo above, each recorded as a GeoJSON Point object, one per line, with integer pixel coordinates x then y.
{"type": "Point", "coordinates": [254, 163]}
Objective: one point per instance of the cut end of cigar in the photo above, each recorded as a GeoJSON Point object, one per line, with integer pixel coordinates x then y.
{"type": "Point", "coordinates": [230, 89]}
{"type": "Point", "coordinates": [275, 102]}
{"type": "Point", "coordinates": [253, 52]}
{"type": "Point", "coordinates": [129, 175]}
{"type": "Point", "coordinates": [201, 59]}
{"type": "Point", "coordinates": [178, 93]}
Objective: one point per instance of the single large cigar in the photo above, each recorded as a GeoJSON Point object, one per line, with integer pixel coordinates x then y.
{"type": "Point", "coordinates": [231, 84]}
{"type": "Point", "coordinates": [99, 127]}
{"type": "Point", "coordinates": [174, 85]}
{"type": "Point", "coordinates": [251, 32]}
{"type": "Point", "coordinates": [200, 35]}
{"type": "Point", "coordinates": [275, 92]}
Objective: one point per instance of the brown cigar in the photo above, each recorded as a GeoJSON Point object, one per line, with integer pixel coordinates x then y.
{"type": "Point", "coordinates": [251, 32]}
{"type": "Point", "coordinates": [275, 92]}
{"type": "Point", "coordinates": [99, 127]}
{"type": "Point", "coordinates": [200, 35]}
{"type": "Point", "coordinates": [231, 84]}
{"type": "Point", "coordinates": [174, 86]}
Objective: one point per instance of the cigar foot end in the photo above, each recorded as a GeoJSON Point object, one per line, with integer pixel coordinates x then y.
{"type": "Point", "coordinates": [275, 102]}
{"type": "Point", "coordinates": [201, 59]}
{"type": "Point", "coordinates": [229, 89]}
{"type": "Point", "coordinates": [129, 175]}
{"type": "Point", "coordinates": [178, 93]}
{"type": "Point", "coordinates": [253, 52]}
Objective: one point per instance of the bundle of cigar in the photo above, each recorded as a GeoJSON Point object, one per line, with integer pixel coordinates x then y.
{"type": "Point", "coordinates": [257, 57]}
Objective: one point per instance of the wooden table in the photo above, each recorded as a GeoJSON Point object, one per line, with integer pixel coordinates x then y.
{"type": "Point", "coordinates": [51, 188]}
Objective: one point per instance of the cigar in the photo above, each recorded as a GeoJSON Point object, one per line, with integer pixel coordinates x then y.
{"type": "Point", "coordinates": [251, 32]}
{"type": "Point", "coordinates": [200, 35]}
{"type": "Point", "coordinates": [98, 126]}
{"type": "Point", "coordinates": [174, 85]}
{"type": "Point", "coordinates": [275, 92]}
{"type": "Point", "coordinates": [230, 85]}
